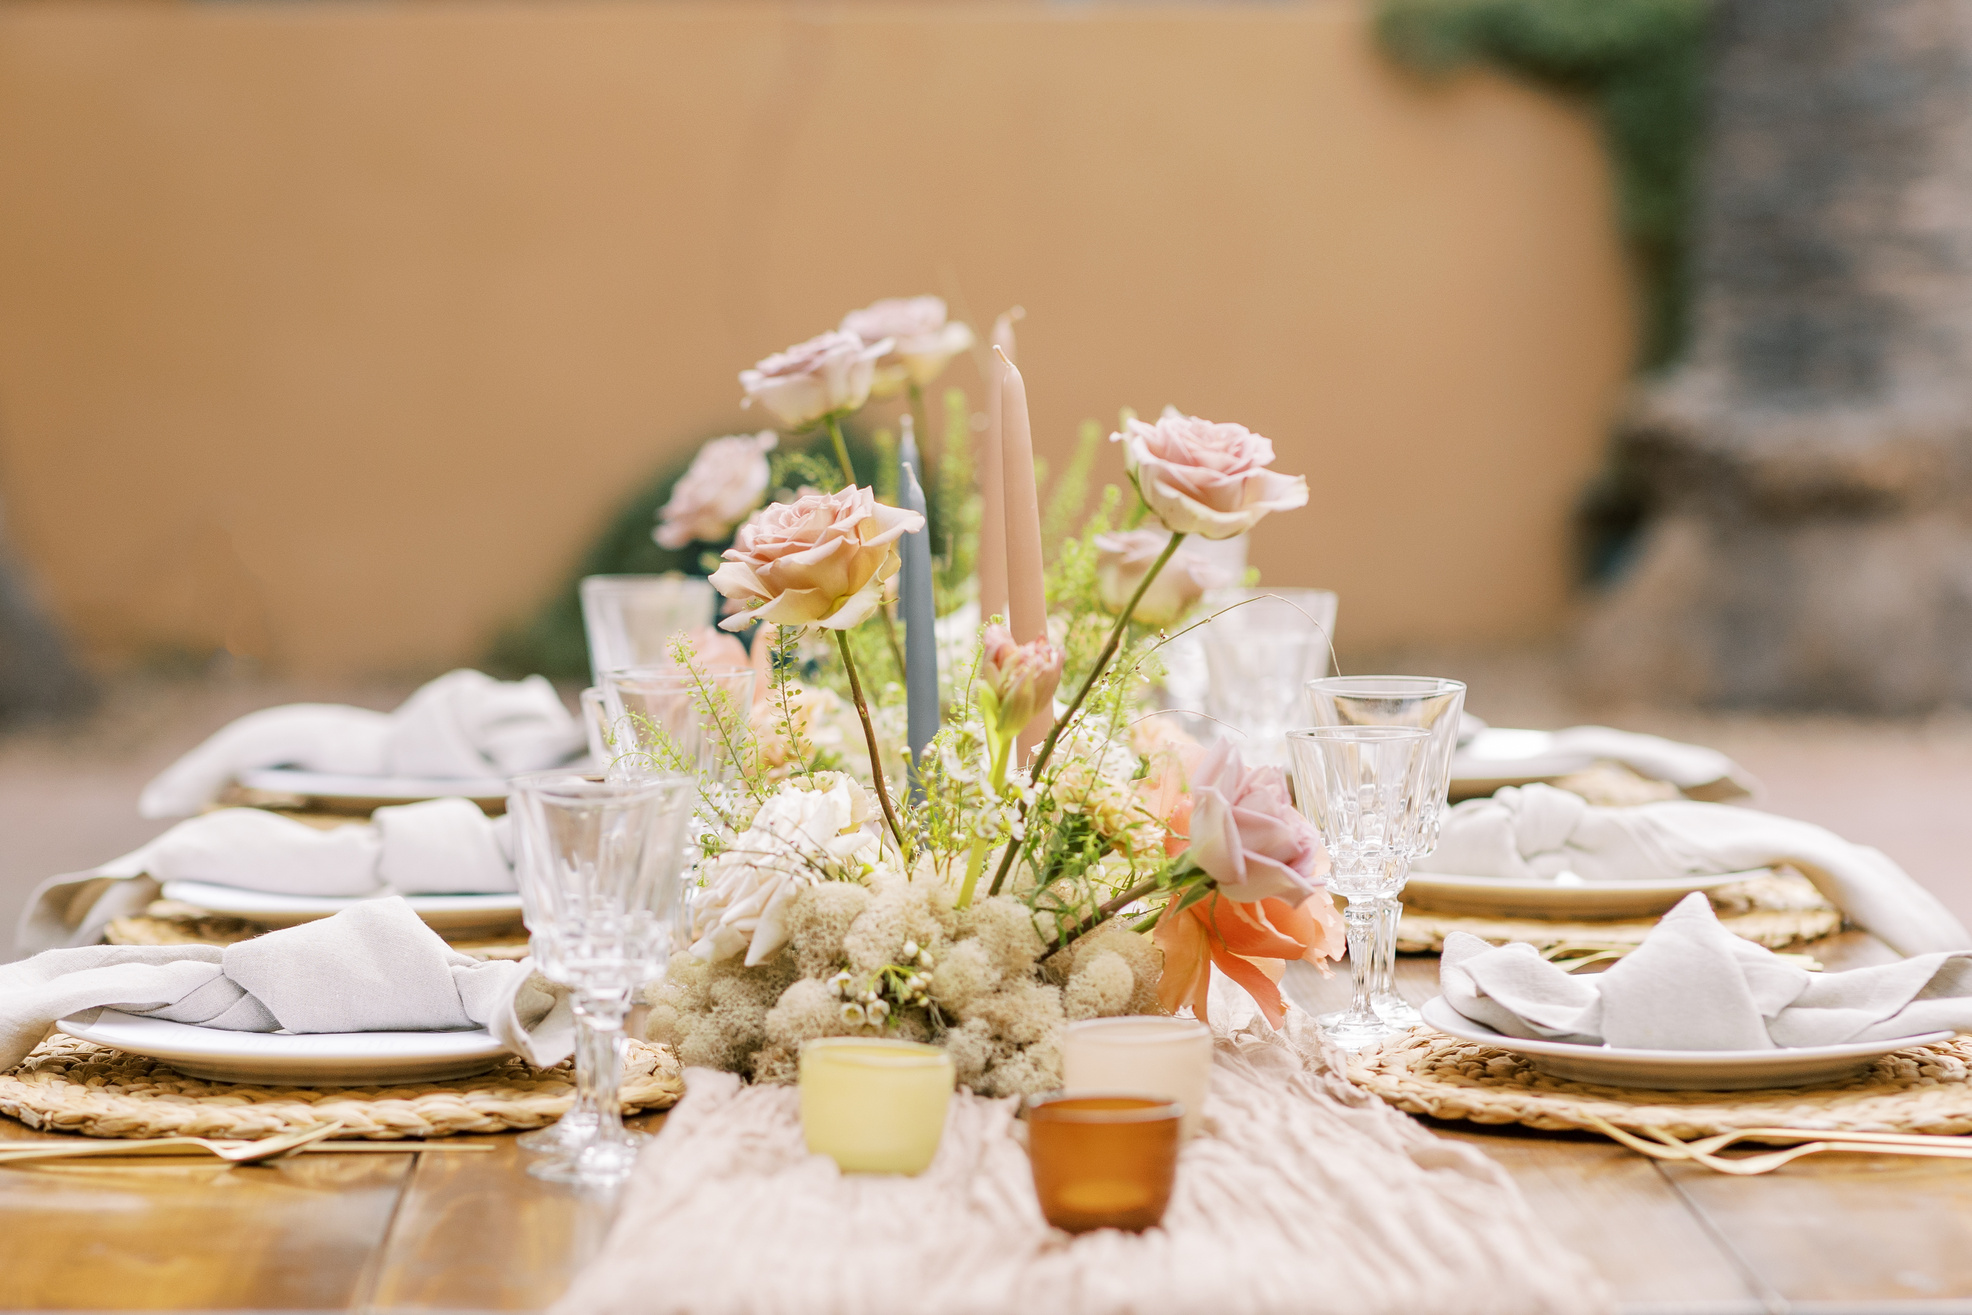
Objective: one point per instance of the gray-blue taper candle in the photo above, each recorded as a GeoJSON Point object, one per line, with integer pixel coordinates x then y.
{"type": "Point", "coordinates": [920, 614]}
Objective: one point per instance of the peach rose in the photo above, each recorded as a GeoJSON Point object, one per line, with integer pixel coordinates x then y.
{"type": "Point", "coordinates": [824, 559]}
{"type": "Point", "coordinates": [727, 479]}
{"type": "Point", "coordinates": [1246, 833]}
{"type": "Point", "coordinates": [1204, 478]}
{"type": "Point", "coordinates": [1249, 942]}
{"type": "Point", "coordinates": [826, 375]}
{"type": "Point", "coordinates": [1170, 757]}
{"type": "Point", "coordinates": [923, 340]}
{"type": "Point", "coordinates": [1122, 560]}
{"type": "Point", "coordinates": [1018, 680]}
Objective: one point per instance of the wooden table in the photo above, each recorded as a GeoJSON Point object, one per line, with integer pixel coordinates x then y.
{"type": "Point", "coordinates": [464, 1231]}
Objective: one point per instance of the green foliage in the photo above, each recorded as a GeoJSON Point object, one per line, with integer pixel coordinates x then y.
{"type": "Point", "coordinates": [1070, 493]}
{"type": "Point", "coordinates": [551, 642]}
{"type": "Point", "coordinates": [1641, 62]}
{"type": "Point", "coordinates": [952, 493]}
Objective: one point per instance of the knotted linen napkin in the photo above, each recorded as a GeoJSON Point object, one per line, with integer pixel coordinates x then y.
{"type": "Point", "coordinates": [375, 967]}
{"type": "Point", "coordinates": [438, 847]}
{"type": "Point", "coordinates": [463, 725]}
{"type": "Point", "coordinates": [1693, 985]}
{"type": "Point", "coordinates": [1536, 832]}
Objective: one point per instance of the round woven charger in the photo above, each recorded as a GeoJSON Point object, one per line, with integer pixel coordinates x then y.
{"type": "Point", "coordinates": [1426, 1072]}
{"type": "Point", "coordinates": [1777, 911]}
{"type": "Point", "coordinates": [68, 1085]}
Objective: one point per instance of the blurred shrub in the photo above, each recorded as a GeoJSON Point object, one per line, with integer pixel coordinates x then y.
{"type": "Point", "coordinates": [1641, 63]}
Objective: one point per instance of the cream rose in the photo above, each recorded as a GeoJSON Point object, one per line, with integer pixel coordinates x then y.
{"type": "Point", "coordinates": [1207, 479]}
{"type": "Point", "coordinates": [804, 833]}
{"type": "Point", "coordinates": [823, 376]}
{"type": "Point", "coordinates": [824, 559]}
{"type": "Point", "coordinates": [923, 340]}
{"type": "Point", "coordinates": [727, 480]}
{"type": "Point", "coordinates": [1246, 833]}
{"type": "Point", "coordinates": [1122, 559]}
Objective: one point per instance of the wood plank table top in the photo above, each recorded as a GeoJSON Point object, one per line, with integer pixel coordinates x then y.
{"type": "Point", "coordinates": [431, 1231]}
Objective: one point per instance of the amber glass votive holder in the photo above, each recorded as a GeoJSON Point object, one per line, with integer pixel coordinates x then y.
{"type": "Point", "coordinates": [874, 1105]}
{"type": "Point", "coordinates": [1103, 1161]}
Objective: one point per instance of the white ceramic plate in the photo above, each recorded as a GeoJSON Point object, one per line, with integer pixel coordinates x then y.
{"type": "Point", "coordinates": [1496, 757]}
{"type": "Point", "coordinates": [445, 913]}
{"type": "Point", "coordinates": [325, 1059]}
{"type": "Point", "coordinates": [1679, 1070]}
{"type": "Point", "coordinates": [368, 792]}
{"type": "Point", "coordinates": [1559, 901]}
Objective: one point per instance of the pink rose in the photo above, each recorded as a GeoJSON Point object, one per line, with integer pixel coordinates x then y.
{"type": "Point", "coordinates": [1122, 560]}
{"type": "Point", "coordinates": [1246, 834]}
{"type": "Point", "coordinates": [1018, 680]}
{"type": "Point", "coordinates": [809, 380]}
{"type": "Point", "coordinates": [824, 559]}
{"type": "Point", "coordinates": [727, 479]}
{"type": "Point", "coordinates": [923, 341]}
{"type": "Point", "coordinates": [1204, 478]}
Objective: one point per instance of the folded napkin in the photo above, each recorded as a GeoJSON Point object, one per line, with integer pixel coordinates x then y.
{"type": "Point", "coordinates": [464, 725]}
{"type": "Point", "coordinates": [1691, 767]}
{"type": "Point", "coordinates": [438, 847]}
{"type": "Point", "coordinates": [374, 968]}
{"type": "Point", "coordinates": [1536, 832]}
{"type": "Point", "coordinates": [1693, 985]}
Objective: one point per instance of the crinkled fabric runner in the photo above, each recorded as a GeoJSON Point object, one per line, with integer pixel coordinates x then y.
{"type": "Point", "coordinates": [1305, 1195]}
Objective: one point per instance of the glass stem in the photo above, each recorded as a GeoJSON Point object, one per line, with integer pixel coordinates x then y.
{"type": "Point", "coordinates": [1385, 964]}
{"type": "Point", "coordinates": [599, 1038]}
{"type": "Point", "coordinates": [1361, 918]}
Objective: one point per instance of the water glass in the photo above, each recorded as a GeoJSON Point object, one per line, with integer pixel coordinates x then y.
{"type": "Point", "coordinates": [1362, 787]}
{"type": "Point", "coordinates": [1260, 655]}
{"type": "Point", "coordinates": [667, 719]}
{"type": "Point", "coordinates": [595, 727]}
{"type": "Point", "coordinates": [631, 619]}
{"type": "Point", "coordinates": [599, 867]}
{"type": "Point", "coordinates": [1438, 705]}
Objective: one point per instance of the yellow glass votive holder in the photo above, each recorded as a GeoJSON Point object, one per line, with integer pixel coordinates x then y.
{"type": "Point", "coordinates": [1165, 1057]}
{"type": "Point", "coordinates": [1103, 1161]}
{"type": "Point", "coordinates": [874, 1106]}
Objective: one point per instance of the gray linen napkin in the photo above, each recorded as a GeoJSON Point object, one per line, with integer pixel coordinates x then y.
{"type": "Point", "coordinates": [463, 725]}
{"type": "Point", "coordinates": [1537, 833]}
{"type": "Point", "coordinates": [375, 967]}
{"type": "Point", "coordinates": [438, 847]}
{"type": "Point", "coordinates": [1693, 985]}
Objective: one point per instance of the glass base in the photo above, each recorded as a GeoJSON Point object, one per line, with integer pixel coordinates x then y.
{"type": "Point", "coordinates": [597, 1164]}
{"type": "Point", "coordinates": [1396, 1011]}
{"type": "Point", "coordinates": [1353, 1032]}
{"type": "Point", "coordinates": [565, 1136]}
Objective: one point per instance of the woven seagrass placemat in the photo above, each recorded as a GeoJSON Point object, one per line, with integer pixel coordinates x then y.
{"type": "Point", "coordinates": [1925, 1089]}
{"type": "Point", "coordinates": [68, 1085]}
{"type": "Point", "coordinates": [1777, 911]}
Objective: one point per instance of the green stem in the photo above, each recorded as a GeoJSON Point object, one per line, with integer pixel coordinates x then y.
{"type": "Point", "coordinates": [876, 754]}
{"type": "Point", "coordinates": [976, 861]}
{"type": "Point", "coordinates": [1095, 673]}
{"type": "Point", "coordinates": [841, 450]}
{"type": "Point", "coordinates": [1103, 914]}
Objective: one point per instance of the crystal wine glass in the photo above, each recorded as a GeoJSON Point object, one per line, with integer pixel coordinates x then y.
{"type": "Point", "coordinates": [1427, 701]}
{"type": "Point", "coordinates": [1361, 787]}
{"type": "Point", "coordinates": [600, 865]}
{"type": "Point", "coordinates": [1259, 652]}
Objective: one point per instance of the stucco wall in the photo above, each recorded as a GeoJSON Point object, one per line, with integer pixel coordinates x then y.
{"type": "Point", "coordinates": [330, 332]}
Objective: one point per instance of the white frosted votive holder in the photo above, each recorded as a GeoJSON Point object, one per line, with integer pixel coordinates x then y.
{"type": "Point", "coordinates": [874, 1106]}
{"type": "Point", "coordinates": [1169, 1058]}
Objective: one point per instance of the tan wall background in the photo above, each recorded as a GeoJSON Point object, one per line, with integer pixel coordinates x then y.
{"type": "Point", "coordinates": [330, 333]}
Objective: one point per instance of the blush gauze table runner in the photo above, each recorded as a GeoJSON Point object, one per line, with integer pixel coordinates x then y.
{"type": "Point", "coordinates": [1305, 1195]}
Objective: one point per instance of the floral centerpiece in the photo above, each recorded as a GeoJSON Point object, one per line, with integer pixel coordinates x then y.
{"type": "Point", "coordinates": [998, 895]}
